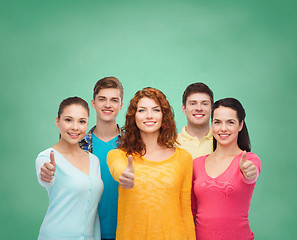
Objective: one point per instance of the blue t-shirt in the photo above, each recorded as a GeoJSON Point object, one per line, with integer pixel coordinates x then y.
{"type": "Point", "coordinates": [108, 205]}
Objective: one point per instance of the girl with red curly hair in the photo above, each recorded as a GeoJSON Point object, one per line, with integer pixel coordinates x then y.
{"type": "Point", "coordinates": [155, 177]}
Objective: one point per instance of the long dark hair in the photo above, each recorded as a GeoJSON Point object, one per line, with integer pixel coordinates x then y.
{"type": "Point", "coordinates": [243, 139]}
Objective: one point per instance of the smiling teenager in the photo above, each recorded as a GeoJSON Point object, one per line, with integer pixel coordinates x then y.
{"type": "Point", "coordinates": [72, 178]}
{"type": "Point", "coordinates": [197, 136]}
{"type": "Point", "coordinates": [104, 136]}
{"type": "Point", "coordinates": [224, 181]}
{"type": "Point", "coordinates": [154, 176]}
{"type": "Point", "coordinates": [107, 101]}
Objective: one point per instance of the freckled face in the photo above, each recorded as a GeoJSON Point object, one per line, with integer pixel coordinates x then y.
{"type": "Point", "coordinates": [148, 116]}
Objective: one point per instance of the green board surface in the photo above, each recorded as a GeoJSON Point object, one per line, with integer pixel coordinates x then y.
{"type": "Point", "coordinates": [50, 50]}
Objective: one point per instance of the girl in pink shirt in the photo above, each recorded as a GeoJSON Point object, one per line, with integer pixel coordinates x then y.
{"type": "Point", "coordinates": [224, 181]}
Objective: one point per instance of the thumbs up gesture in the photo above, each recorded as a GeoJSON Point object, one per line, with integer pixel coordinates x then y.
{"type": "Point", "coordinates": [127, 178]}
{"type": "Point", "coordinates": [247, 167]}
{"type": "Point", "coordinates": [48, 169]}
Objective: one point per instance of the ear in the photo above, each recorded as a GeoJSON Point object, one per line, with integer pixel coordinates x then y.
{"type": "Point", "coordinates": [57, 122]}
{"type": "Point", "coordinates": [241, 126]}
{"type": "Point", "coordinates": [121, 105]}
{"type": "Point", "coordinates": [184, 109]}
{"type": "Point", "coordinates": [93, 103]}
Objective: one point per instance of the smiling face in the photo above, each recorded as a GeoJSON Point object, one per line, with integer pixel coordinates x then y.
{"type": "Point", "coordinates": [226, 126]}
{"type": "Point", "coordinates": [73, 123]}
{"type": "Point", "coordinates": [107, 104]}
{"type": "Point", "coordinates": [148, 116]}
{"type": "Point", "coordinates": [198, 109]}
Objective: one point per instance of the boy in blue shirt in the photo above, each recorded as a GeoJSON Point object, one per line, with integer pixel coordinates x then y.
{"type": "Point", "coordinates": [103, 137]}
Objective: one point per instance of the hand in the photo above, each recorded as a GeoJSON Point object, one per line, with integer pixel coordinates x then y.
{"type": "Point", "coordinates": [247, 167]}
{"type": "Point", "coordinates": [127, 178]}
{"type": "Point", "coordinates": [48, 169]}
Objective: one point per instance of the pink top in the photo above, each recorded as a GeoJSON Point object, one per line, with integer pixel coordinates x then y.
{"type": "Point", "coordinates": [223, 202]}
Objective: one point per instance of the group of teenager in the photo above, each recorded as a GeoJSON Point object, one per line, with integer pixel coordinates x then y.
{"type": "Point", "coordinates": [144, 181]}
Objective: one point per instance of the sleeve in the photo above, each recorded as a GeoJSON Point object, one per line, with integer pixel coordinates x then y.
{"type": "Point", "coordinates": [257, 162]}
{"type": "Point", "coordinates": [186, 195]}
{"type": "Point", "coordinates": [193, 195]}
{"type": "Point", "coordinates": [117, 162]}
{"type": "Point", "coordinates": [40, 160]}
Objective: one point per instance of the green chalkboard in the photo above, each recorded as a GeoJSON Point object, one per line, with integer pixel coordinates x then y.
{"type": "Point", "coordinates": [50, 50]}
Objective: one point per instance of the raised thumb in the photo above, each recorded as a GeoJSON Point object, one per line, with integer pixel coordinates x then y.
{"type": "Point", "coordinates": [243, 158]}
{"type": "Point", "coordinates": [52, 158]}
{"type": "Point", "coordinates": [130, 164]}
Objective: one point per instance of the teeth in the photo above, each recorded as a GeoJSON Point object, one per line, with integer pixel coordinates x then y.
{"type": "Point", "coordinates": [149, 123]}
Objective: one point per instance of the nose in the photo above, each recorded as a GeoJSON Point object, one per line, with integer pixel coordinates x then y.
{"type": "Point", "coordinates": [107, 103]}
{"type": "Point", "coordinates": [199, 107]}
{"type": "Point", "coordinates": [223, 127]}
{"type": "Point", "coordinates": [149, 114]}
{"type": "Point", "coordinates": [75, 125]}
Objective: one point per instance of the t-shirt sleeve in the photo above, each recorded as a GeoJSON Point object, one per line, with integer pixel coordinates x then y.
{"type": "Point", "coordinates": [40, 160]}
{"type": "Point", "coordinates": [117, 162]}
{"type": "Point", "coordinates": [257, 162]}
{"type": "Point", "coordinates": [186, 194]}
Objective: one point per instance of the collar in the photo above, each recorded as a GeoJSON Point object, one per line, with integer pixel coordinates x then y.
{"type": "Point", "coordinates": [88, 137]}
{"type": "Point", "coordinates": [187, 137]}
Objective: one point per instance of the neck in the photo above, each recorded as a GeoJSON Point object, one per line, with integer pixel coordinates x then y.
{"type": "Point", "coordinates": [230, 150]}
{"type": "Point", "coordinates": [199, 131]}
{"type": "Point", "coordinates": [150, 141]}
{"type": "Point", "coordinates": [65, 147]}
{"type": "Point", "coordinates": [106, 130]}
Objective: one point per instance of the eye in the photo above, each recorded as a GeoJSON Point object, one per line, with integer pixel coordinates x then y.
{"type": "Point", "coordinates": [231, 122]}
{"type": "Point", "coordinates": [101, 99]}
{"type": "Point", "coordinates": [157, 110]}
{"type": "Point", "coordinates": [115, 100]}
{"type": "Point", "coordinates": [82, 121]}
{"type": "Point", "coordinates": [141, 110]}
{"type": "Point", "coordinates": [216, 122]}
{"type": "Point", "coordinates": [67, 119]}
{"type": "Point", "coordinates": [205, 103]}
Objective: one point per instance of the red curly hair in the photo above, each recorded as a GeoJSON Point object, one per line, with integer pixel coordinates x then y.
{"type": "Point", "coordinates": [131, 142]}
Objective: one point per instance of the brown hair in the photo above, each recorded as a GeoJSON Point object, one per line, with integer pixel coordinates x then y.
{"type": "Point", "coordinates": [108, 82]}
{"type": "Point", "coordinates": [70, 101]}
{"type": "Point", "coordinates": [131, 141]}
{"type": "Point", "coordinates": [198, 87]}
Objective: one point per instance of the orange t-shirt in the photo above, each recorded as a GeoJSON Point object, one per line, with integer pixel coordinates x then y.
{"type": "Point", "coordinates": [159, 204]}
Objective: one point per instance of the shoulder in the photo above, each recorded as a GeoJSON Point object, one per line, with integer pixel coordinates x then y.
{"type": "Point", "coordinates": [254, 158]}
{"type": "Point", "coordinates": [45, 153]}
{"type": "Point", "coordinates": [199, 159]}
{"type": "Point", "coordinates": [252, 155]}
{"type": "Point", "coordinates": [43, 157]}
{"type": "Point", "coordinates": [183, 134]}
{"type": "Point", "coordinates": [93, 157]}
{"type": "Point", "coordinates": [183, 152]}
{"type": "Point", "coordinates": [116, 153]}
{"type": "Point", "coordinates": [184, 157]}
